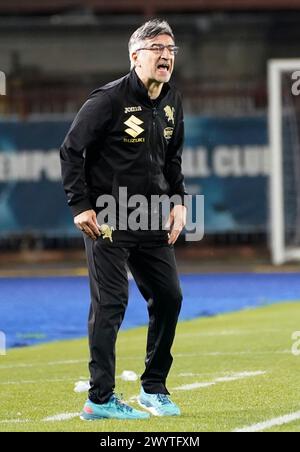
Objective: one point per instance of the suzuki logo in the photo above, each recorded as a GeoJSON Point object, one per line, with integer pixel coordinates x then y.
{"type": "Point", "coordinates": [134, 126]}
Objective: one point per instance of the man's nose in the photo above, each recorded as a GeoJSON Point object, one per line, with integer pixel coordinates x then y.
{"type": "Point", "coordinates": [165, 53]}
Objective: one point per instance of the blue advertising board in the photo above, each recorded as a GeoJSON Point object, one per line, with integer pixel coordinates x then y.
{"type": "Point", "coordinates": [225, 159]}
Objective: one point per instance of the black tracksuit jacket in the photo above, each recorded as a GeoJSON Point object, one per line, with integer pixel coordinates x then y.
{"type": "Point", "coordinates": [122, 138]}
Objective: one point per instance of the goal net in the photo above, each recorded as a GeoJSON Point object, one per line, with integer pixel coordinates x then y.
{"type": "Point", "coordinates": [284, 137]}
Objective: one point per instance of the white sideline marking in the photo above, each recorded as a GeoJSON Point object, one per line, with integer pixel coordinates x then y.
{"type": "Point", "coordinates": [69, 361]}
{"type": "Point", "coordinates": [233, 377]}
{"type": "Point", "coordinates": [39, 364]}
{"type": "Point", "coordinates": [48, 380]}
{"type": "Point", "coordinates": [194, 386]}
{"type": "Point", "coordinates": [191, 374]}
{"type": "Point", "coordinates": [239, 375]}
{"type": "Point", "coordinates": [268, 424]}
{"type": "Point", "coordinates": [26, 382]}
{"type": "Point", "coordinates": [212, 333]}
{"type": "Point", "coordinates": [249, 352]}
{"type": "Point", "coordinates": [202, 374]}
{"type": "Point", "coordinates": [137, 358]}
{"type": "Point", "coordinates": [14, 421]}
{"type": "Point", "coordinates": [61, 417]}
{"type": "Point", "coordinates": [228, 333]}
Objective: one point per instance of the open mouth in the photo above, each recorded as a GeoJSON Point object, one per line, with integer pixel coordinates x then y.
{"type": "Point", "coordinates": [163, 67]}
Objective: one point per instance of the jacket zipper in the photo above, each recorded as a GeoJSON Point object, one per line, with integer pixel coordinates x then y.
{"type": "Point", "coordinates": [152, 143]}
{"type": "Point", "coordinates": [154, 114]}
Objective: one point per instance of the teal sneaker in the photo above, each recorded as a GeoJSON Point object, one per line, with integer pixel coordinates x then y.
{"type": "Point", "coordinates": [158, 404]}
{"type": "Point", "coordinates": [113, 409]}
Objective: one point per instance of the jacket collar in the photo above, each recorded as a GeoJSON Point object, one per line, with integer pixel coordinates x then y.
{"type": "Point", "coordinates": [141, 91]}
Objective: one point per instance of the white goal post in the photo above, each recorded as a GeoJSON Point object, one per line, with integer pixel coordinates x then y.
{"type": "Point", "coordinates": [282, 249]}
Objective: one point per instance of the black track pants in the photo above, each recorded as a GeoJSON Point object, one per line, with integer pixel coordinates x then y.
{"type": "Point", "coordinates": [154, 269]}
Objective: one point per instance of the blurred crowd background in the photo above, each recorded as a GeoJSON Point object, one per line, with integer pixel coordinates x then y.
{"type": "Point", "coordinates": [55, 52]}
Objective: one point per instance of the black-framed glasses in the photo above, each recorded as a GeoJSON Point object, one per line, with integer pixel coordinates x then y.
{"type": "Point", "coordinates": [159, 48]}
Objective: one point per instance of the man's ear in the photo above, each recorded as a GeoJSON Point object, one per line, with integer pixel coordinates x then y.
{"type": "Point", "coordinates": [134, 57]}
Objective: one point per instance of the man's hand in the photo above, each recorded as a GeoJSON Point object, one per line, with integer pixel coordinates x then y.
{"type": "Point", "coordinates": [176, 221]}
{"type": "Point", "coordinates": [87, 222]}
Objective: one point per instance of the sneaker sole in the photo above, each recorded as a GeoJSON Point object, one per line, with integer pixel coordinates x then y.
{"type": "Point", "coordinates": [90, 417]}
{"type": "Point", "coordinates": [151, 409]}
{"type": "Point", "coordinates": [154, 411]}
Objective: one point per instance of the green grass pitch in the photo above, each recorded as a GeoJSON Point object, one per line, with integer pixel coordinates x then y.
{"type": "Point", "coordinates": [241, 366]}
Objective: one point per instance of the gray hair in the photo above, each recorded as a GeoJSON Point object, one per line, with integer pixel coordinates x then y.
{"type": "Point", "coordinates": [148, 30]}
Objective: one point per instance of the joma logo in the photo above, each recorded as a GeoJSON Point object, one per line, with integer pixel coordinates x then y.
{"type": "Point", "coordinates": [132, 109]}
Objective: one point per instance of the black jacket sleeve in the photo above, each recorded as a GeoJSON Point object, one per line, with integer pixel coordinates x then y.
{"type": "Point", "coordinates": [173, 170]}
{"type": "Point", "coordinates": [87, 127]}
